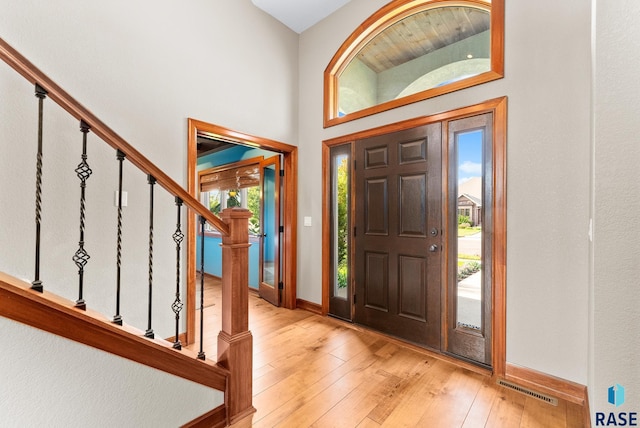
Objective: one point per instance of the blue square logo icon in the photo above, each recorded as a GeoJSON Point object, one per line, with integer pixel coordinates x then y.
{"type": "Point", "coordinates": [616, 395]}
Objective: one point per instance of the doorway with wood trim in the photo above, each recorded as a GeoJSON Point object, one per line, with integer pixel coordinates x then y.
{"type": "Point", "coordinates": [253, 183]}
{"type": "Point", "coordinates": [273, 171]}
{"type": "Point", "coordinates": [411, 264]}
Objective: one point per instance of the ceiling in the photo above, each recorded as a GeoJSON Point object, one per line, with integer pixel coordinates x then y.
{"type": "Point", "coordinates": [207, 145]}
{"type": "Point", "coordinates": [299, 14]}
{"type": "Point", "coordinates": [422, 33]}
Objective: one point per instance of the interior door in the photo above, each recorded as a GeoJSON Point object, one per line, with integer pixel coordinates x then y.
{"type": "Point", "coordinates": [269, 271]}
{"type": "Point", "coordinates": [398, 243]}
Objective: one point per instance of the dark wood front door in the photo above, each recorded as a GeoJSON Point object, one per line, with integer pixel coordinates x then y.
{"type": "Point", "coordinates": [398, 227]}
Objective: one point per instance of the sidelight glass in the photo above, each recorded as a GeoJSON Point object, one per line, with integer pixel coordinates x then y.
{"type": "Point", "coordinates": [340, 227]}
{"type": "Point", "coordinates": [470, 216]}
{"type": "Point", "coordinates": [269, 233]}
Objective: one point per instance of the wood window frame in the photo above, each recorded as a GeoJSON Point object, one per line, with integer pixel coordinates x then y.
{"type": "Point", "coordinates": [498, 107]}
{"type": "Point", "coordinates": [290, 216]}
{"type": "Point", "coordinates": [378, 22]}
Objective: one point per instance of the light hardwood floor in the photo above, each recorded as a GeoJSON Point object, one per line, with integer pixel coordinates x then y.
{"type": "Point", "coordinates": [313, 371]}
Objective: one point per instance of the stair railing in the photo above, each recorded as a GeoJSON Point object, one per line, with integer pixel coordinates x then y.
{"type": "Point", "coordinates": [235, 340]}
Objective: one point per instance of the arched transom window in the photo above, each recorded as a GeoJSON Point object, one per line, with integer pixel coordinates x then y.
{"type": "Point", "coordinates": [411, 50]}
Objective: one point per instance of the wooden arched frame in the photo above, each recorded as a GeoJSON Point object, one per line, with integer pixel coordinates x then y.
{"type": "Point", "coordinates": [290, 194]}
{"type": "Point", "coordinates": [384, 18]}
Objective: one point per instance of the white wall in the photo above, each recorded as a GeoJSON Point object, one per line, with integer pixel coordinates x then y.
{"type": "Point", "coordinates": [104, 52]}
{"type": "Point", "coordinates": [39, 389]}
{"type": "Point", "coordinates": [615, 342]}
{"type": "Point", "coordinates": [547, 80]}
{"type": "Point", "coordinates": [143, 68]}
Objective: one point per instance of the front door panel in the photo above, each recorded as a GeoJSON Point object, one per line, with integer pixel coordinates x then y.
{"type": "Point", "coordinates": [397, 257]}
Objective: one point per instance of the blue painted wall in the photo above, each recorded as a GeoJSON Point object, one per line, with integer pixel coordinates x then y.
{"type": "Point", "coordinates": [213, 257]}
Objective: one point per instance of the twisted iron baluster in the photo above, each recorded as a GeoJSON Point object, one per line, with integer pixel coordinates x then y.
{"type": "Point", "coordinates": [201, 355]}
{"type": "Point", "coordinates": [151, 181]}
{"type": "Point", "coordinates": [81, 257]}
{"type": "Point", "coordinates": [117, 319]}
{"type": "Point", "coordinates": [177, 305]}
{"type": "Point", "coordinates": [41, 94]}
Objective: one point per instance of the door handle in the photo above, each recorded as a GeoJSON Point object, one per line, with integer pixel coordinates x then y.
{"type": "Point", "coordinates": [433, 248]}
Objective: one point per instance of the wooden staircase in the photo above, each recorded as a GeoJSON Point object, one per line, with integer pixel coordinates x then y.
{"type": "Point", "coordinates": [231, 374]}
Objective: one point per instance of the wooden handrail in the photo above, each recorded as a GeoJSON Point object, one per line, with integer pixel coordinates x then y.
{"type": "Point", "coordinates": [30, 72]}
{"type": "Point", "coordinates": [49, 312]}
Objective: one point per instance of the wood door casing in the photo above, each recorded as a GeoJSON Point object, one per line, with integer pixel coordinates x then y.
{"type": "Point", "coordinates": [289, 215]}
{"type": "Point", "coordinates": [398, 218]}
{"type": "Point", "coordinates": [497, 178]}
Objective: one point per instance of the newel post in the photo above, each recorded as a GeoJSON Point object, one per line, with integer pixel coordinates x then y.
{"type": "Point", "coordinates": [235, 342]}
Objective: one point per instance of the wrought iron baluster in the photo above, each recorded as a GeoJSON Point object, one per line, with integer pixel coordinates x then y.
{"type": "Point", "coordinates": [117, 319]}
{"type": "Point", "coordinates": [201, 355]}
{"type": "Point", "coordinates": [41, 94]}
{"type": "Point", "coordinates": [151, 181]}
{"type": "Point", "coordinates": [177, 305]}
{"type": "Point", "coordinates": [81, 257]}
